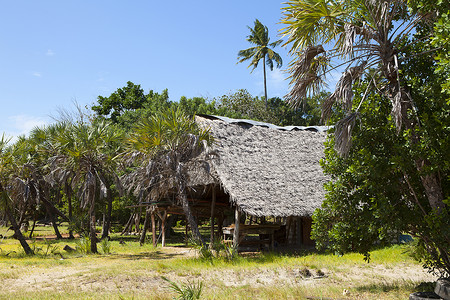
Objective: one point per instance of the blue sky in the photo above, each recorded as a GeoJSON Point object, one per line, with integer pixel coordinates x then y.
{"type": "Point", "coordinates": [55, 53]}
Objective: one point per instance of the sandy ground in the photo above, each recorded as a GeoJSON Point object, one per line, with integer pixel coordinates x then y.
{"type": "Point", "coordinates": [87, 277]}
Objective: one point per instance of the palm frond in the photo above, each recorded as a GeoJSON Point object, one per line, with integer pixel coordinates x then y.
{"type": "Point", "coordinates": [305, 74]}
{"type": "Point", "coordinates": [343, 134]}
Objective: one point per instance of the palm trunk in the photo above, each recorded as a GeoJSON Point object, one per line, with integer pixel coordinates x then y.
{"type": "Point", "coordinates": [18, 233]}
{"type": "Point", "coordinates": [265, 84]}
{"type": "Point", "coordinates": [51, 214]}
{"type": "Point", "coordinates": [188, 212]}
{"type": "Point", "coordinates": [146, 225]}
{"type": "Point", "coordinates": [69, 203]}
{"type": "Point", "coordinates": [14, 224]}
{"type": "Point", "coordinates": [92, 225]}
{"type": "Point", "coordinates": [107, 221]}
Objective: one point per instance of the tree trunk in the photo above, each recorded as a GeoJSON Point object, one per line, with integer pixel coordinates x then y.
{"type": "Point", "coordinates": [69, 203]}
{"type": "Point", "coordinates": [190, 218]}
{"type": "Point", "coordinates": [146, 225]}
{"type": "Point", "coordinates": [265, 84]}
{"type": "Point", "coordinates": [51, 214]}
{"type": "Point", "coordinates": [92, 225]}
{"type": "Point", "coordinates": [153, 228]}
{"type": "Point", "coordinates": [109, 198]}
{"type": "Point", "coordinates": [34, 225]}
{"type": "Point", "coordinates": [14, 224]}
{"type": "Point", "coordinates": [18, 233]}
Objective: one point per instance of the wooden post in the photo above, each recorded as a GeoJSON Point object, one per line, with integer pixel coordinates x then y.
{"type": "Point", "coordinates": [213, 206]}
{"type": "Point", "coordinates": [186, 230]}
{"type": "Point", "coordinates": [298, 231]}
{"type": "Point", "coordinates": [220, 224]}
{"type": "Point", "coordinates": [163, 228]}
{"type": "Point", "coordinates": [153, 228]}
{"type": "Point", "coordinates": [237, 218]}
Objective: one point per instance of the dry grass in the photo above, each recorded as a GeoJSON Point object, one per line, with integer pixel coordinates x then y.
{"type": "Point", "coordinates": [134, 272]}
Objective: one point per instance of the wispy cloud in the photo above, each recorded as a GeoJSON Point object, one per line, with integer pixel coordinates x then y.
{"type": "Point", "coordinates": [50, 52]}
{"type": "Point", "coordinates": [37, 74]}
{"type": "Point", "coordinates": [277, 84]}
{"type": "Point", "coordinates": [23, 124]}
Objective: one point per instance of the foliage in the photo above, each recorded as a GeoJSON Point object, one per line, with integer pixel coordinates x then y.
{"type": "Point", "coordinates": [197, 105]}
{"type": "Point", "coordinates": [160, 151]}
{"type": "Point", "coordinates": [83, 245]}
{"type": "Point", "coordinates": [105, 245]}
{"type": "Point", "coordinates": [392, 173]}
{"type": "Point", "coordinates": [440, 38]}
{"type": "Point", "coordinates": [216, 250]}
{"type": "Point", "coordinates": [186, 291]}
{"type": "Point", "coordinates": [242, 105]}
{"type": "Point", "coordinates": [126, 98]}
{"type": "Point", "coordinates": [375, 193]}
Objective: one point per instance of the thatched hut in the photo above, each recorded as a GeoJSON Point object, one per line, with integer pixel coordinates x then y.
{"type": "Point", "coordinates": [267, 173]}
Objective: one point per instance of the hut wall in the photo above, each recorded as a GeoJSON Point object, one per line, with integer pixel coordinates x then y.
{"type": "Point", "coordinates": [306, 231]}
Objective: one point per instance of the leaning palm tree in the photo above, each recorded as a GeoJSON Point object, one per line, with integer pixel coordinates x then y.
{"type": "Point", "coordinates": [259, 36]}
{"type": "Point", "coordinates": [365, 37]}
{"type": "Point", "coordinates": [7, 168]}
{"type": "Point", "coordinates": [161, 149]}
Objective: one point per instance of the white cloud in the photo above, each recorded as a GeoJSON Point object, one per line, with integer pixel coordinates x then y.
{"type": "Point", "coordinates": [37, 74]}
{"type": "Point", "coordinates": [277, 84]}
{"type": "Point", "coordinates": [23, 124]}
{"type": "Point", "coordinates": [50, 52]}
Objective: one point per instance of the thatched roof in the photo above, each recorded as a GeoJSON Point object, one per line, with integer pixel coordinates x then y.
{"type": "Point", "coordinates": [266, 171]}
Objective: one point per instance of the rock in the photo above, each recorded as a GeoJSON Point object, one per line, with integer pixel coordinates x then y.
{"type": "Point", "coordinates": [443, 288]}
{"type": "Point", "coordinates": [68, 248]}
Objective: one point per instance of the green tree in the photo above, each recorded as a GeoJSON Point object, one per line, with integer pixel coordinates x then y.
{"type": "Point", "coordinates": [241, 104]}
{"type": "Point", "coordinates": [127, 98]}
{"type": "Point", "coordinates": [197, 105]}
{"type": "Point", "coordinates": [367, 35]}
{"type": "Point", "coordinates": [161, 148]}
{"type": "Point", "coordinates": [375, 40]}
{"type": "Point", "coordinates": [259, 36]}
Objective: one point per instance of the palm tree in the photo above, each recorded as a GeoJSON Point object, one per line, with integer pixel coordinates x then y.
{"type": "Point", "coordinates": [365, 35]}
{"type": "Point", "coordinates": [87, 153]}
{"type": "Point", "coordinates": [259, 36]}
{"type": "Point", "coordinates": [8, 166]}
{"type": "Point", "coordinates": [161, 149]}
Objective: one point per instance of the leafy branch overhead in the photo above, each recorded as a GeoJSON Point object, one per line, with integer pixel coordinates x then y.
{"type": "Point", "coordinates": [325, 36]}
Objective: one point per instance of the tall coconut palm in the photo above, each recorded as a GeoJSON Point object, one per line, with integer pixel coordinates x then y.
{"type": "Point", "coordinates": [161, 148]}
{"type": "Point", "coordinates": [259, 36]}
{"type": "Point", "coordinates": [365, 35]}
{"type": "Point", "coordinates": [88, 152]}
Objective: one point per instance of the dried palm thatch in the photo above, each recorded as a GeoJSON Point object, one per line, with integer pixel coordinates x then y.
{"type": "Point", "coordinates": [268, 172]}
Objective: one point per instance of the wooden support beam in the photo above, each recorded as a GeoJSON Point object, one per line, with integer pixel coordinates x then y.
{"type": "Point", "coordinates": [163, 228]}
{"type": "Point", "coordinates": [237, 218]}
{"type": "Point", "coordinates": [153, 228]}
{"type": "Point", "coordinates": [213, 206]}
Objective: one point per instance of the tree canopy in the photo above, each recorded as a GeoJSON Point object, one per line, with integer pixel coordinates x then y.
{"type": "Point", "coordinates": [390, 173]}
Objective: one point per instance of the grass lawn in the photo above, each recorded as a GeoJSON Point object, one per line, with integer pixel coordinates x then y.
{"type": "Point", "coordinates": [131, 271]}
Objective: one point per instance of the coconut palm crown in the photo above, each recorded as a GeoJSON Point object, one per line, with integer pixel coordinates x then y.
{"type": "Point", "coordinates": [259, 36]}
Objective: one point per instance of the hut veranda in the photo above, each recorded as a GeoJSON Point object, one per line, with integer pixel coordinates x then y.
{"type": "Point", "coordinates": [259, 187]}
